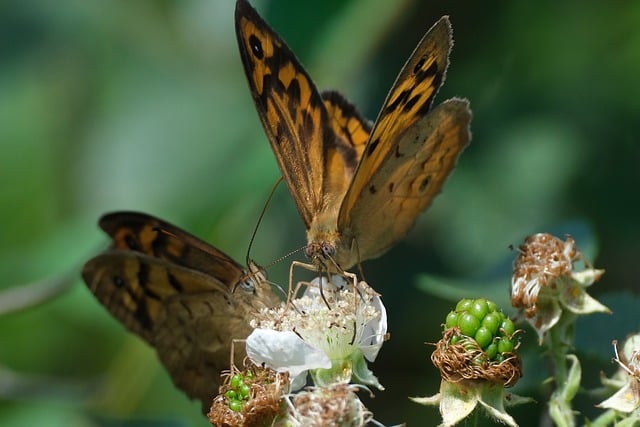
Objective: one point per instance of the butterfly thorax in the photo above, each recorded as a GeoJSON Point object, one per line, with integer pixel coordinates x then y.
{"type": "Point", "coordinates": [322, 239]}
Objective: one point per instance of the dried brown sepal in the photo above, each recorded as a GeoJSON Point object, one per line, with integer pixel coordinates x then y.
{"type": "Point", "coordinates": [264, 405]}
{"type": "Point", "coordinates": [465, 360]}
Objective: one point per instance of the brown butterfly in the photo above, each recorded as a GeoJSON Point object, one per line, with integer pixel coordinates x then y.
{"type": "Point", "coordinates": [359, 188]}
{"type": "Point", "coordinates": [181, 295]}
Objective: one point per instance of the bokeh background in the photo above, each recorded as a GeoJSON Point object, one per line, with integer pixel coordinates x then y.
{"type": "Point", "coordinates": [144, 105]}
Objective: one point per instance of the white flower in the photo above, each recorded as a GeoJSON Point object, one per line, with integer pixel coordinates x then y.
{"type": "Point", "coordinates": [331, 318]}
{"type": "Point", "coordinates": [627, 380]}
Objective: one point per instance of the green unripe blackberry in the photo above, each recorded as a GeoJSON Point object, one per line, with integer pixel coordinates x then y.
{"type": "Point", "coordinates": [482, 320]}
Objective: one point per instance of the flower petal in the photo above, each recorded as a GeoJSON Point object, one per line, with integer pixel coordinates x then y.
{"type": "Point", "coordinates": [374, 332]}
{"type": "Point", "coordinates": [284, 351]}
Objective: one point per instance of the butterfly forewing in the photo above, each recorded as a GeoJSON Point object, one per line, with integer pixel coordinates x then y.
{"type": "Point", "coordinates": [146, 234]}
{"type": "Point", "coordinates": [290, 108]}
{"type": "Point", "coordinates": [358, 190]}
{"type": "Point", "coordinates": [408, 101]}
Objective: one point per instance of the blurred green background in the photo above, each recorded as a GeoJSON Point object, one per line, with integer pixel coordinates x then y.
{"type": "Point", "coordinates": [144, 105]}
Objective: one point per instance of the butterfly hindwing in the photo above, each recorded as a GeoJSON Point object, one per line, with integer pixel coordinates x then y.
{"type": "Point", "coordinates": [411, 151]}
{"type": "Point", "coordinates": [359, 189]}
{"type": "Point", "coordinates": [184, 297]}
{"type": "Point", "coordinates": [342, 158]}
{"type": "Point", "coordinates": [407, 182]}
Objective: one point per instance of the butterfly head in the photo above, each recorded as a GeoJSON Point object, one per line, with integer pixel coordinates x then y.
{"type": "Point", "coordinates": [320, 251]}
{"type": "Point", "coordinates": [252, 278]}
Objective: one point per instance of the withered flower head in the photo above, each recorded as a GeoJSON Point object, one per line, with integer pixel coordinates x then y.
{"type": "Point", "coordinates": [336, 405]}
{"type": "Point", "coordinates": [545, 282]}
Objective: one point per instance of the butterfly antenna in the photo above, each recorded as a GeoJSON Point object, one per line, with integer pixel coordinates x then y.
{"type": "Point", "coordinates": [264, 210]}
{"type": "Point", "coordinates": [283, 257]}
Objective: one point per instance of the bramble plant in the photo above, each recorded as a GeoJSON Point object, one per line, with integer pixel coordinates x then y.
{"type": "Point", "coordinates": [333, 330]}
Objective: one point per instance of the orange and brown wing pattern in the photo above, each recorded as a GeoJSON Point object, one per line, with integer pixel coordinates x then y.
{"type": "Point", "coordinates": [407, 183]}
{"type": "Point", "coordinates": [135, 287]}
{"type": "Point", "coordinates": [409, 100]}
{"type": "Point", "coordinates": [184, 297]}
{"type": "Point", "coordinates": [342, 158]}
{"type": "Point", "coordinates": [411, 152]}
{"type": "Point", "coordinates": [291, 109]}
{"type": "Point", "coordinates": [139, 232]}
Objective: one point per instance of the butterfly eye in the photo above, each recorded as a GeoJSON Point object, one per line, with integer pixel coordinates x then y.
{"type": "Point", "coordinates": [328, 251]}
{"type": "Point", "coordinates": [247, 285]}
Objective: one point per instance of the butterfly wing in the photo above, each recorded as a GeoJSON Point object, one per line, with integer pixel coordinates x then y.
{"type": "Point", "coordinates": [139, 232]}
{"type": "Point", "coordinates": [291, 109]}
{"type": "Point", "coordinates": [152, 281]}
{"type": "Point", "coordinates": [410, 153]}
{"type": "Point", "coordinates": [352, 131]}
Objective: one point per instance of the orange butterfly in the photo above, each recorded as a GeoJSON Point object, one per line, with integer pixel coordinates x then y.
{"type": "Point", "coordinates": [184, 297]}
{"type": "Point", "coordinates": [359, 188]}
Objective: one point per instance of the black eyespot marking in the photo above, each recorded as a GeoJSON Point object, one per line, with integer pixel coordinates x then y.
{"type": "Point", "coordinates": [419, 65]}
{"type": "Point", "coordinates": [118, 282]}
{"type": "Point", "coordinates": [131, 242]}
{"type": "Point", "coordinates": [391, 185]}
{"type": "Point", "coordinates": [425, 183]}
{"type": "Point", "coordinates": [373, 190]}
{"type": "Point", "coordinates": [398, 153]}
{"type": "Point", "coordinates": [256, 46]}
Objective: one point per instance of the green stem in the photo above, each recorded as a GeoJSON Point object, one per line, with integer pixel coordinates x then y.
{"type": "Point", "coordinates": [474, 418]}
{"type": "Point", "coordinates": [605, 419]}
{"type": "Point", "coordinates": [566, 380]}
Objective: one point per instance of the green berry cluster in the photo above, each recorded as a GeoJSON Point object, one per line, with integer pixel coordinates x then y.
{"type": "Point", "coordinates": [239, 391]}
{"type": "Point", "coordinates": [481, 320]}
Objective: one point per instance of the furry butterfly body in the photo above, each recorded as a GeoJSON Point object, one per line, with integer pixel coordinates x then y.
{"type": "Point", "coordinates": [358, 187]}
{"type": "Point", "coordinates": [184, 297]}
